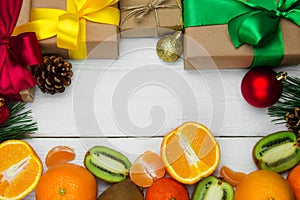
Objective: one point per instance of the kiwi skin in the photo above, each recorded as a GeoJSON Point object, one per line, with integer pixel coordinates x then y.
{"type": "Point", "coordinates": [281, 165]}
{"type": "Point", "coordinates": [125, 190]}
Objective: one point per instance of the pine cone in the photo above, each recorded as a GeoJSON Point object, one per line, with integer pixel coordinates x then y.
{"type": "Point", "coordinates": [53, 75]}
{"type": "Point", "coordinates": [293, 121]}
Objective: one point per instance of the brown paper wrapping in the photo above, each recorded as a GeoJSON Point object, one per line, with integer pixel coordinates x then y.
{"type": "Point", "coordinates": [27, 95]}
{"type": "Point", "coordinates": [146, 27]}
{"type": "Point", "coordinates": [102, 39]}
{"type": "Point", "coordinates": [209, 47]}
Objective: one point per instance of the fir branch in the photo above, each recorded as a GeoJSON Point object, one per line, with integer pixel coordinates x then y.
{"type": "Point", "coordinates": [289, 99]}
{"type": "Point", "coordinates": [20, 124]}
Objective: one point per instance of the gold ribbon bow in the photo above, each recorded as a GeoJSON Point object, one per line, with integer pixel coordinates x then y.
{"type": "Point", "coordinates": [140, 11]}
{"type": "Point", "coordinates": [70, 25]}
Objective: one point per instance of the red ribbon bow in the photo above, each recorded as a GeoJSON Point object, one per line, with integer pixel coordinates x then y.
{"type": "Point", "coordinates": [16, 53]}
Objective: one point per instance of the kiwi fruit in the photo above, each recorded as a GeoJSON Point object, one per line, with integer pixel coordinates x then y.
{"type": "Point", "coordinates": [277, 152]}
{"type": "Point", "coordinates": [125, 190]}
{"type": "Point", "coordinates": [212, 188]}
{"type": "Point", "coordinates": [107, 164]}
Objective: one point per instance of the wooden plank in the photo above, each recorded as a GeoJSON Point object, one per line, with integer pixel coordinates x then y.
{"type": "Point", "coordinates": [149, 108]}
{"type": "Point", "coordinates": [235, 152]}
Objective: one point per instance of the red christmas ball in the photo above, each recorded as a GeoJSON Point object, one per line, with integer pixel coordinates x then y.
{"type": "Point", "coordinates": [261, 88]}
{"type": "Point", "coordinates": [4, 111]}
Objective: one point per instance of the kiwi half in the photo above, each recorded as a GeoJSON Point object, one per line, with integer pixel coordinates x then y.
{"type": "Point", "coordinates": [212, 188]}
{"type": "Point", "coordinates": [107, 164]}
{"type": "Point", "coordinates": [277, 152]}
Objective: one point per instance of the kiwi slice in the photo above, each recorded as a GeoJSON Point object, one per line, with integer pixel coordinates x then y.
{"type": "Point", "coordinates": [212, 188]}
{"type": "Point", "coordinates": [107, 164]}
{"type": "Point", "coordinates": [277, 152]}
{"type": "Point", "coordinates": [125, 190]}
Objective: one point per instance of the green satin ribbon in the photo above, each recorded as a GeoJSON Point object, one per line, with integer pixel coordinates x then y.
{"type": "Point", "coordinates": [254, 22]}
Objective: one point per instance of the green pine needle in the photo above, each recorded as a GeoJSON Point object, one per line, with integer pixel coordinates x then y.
{"type": "Point", "coordinates": [20, 124]}
{"type": "Point", "coordinates": [289, 99]}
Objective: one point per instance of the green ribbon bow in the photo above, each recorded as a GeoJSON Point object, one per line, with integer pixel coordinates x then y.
{"type": "Point", "coordinates": [255, 22]}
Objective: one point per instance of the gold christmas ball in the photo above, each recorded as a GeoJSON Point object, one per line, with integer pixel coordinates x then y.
{"type": "Point", "coordinates": [169, 47]}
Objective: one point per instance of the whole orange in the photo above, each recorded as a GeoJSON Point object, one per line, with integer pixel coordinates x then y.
{"type": "Point", "coordinates": [293, 179]}
{"type": "Point", "coordinates": [67, 182]}
{"type": "Point", "coordinates": [264, 185]}
{"type": "Point", "coordinates": [167, 188]}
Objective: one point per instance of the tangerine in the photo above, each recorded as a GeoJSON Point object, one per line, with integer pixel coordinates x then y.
{"type": "Point", "coordinates": [20, 169]}
{"type": "Point", "coordinates": [190, 152]}
{"type": "Point", "coordinates": [167, 189]}
{"type": "Point", "coordinates": [146, 169]}
{"type": "Point", "coordinates": [293, 179]}
{"type": "Point", "coordinates": [264, 185]}
{"type": "Point", "coordinates": [59, 155]}
{"type": "Point", "coordinates": [67, 181]}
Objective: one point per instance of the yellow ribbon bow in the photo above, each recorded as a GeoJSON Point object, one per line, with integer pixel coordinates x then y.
{"type": "Point", "coordinates": [70, 25]}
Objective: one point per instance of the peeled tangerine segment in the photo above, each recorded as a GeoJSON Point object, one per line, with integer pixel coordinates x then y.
{"type": "Point", "coordinates": [58, 155]}
{"type": "Point", "coordinates": [212, 188]}
{"type": "Point", "coordinates": [107, 164]}
{"type": "Point", "coordinates": [146, 169]}
{"type": "Point", "coordinates": [278, 152]}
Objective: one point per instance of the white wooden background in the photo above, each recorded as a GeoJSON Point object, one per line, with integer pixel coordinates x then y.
{"type": "Point", "coordinates": [130, 103]}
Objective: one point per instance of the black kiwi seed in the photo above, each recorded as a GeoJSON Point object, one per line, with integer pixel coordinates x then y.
{"type": "Point", "coordinates": [107, 164]}
{"type": "Point", "coordinates": [277, 152]}
{"type": "Point", "coordinates": [212, 188]}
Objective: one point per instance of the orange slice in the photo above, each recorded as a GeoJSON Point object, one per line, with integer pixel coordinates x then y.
{"type": "Point", "coordinates": [20, 169]}
{"type": "Point", "coordinates": [58, 155]}
{"type": "Point", "coordinates": [146, 169]}
{"type": "Point", "coordinates": [190, 152]}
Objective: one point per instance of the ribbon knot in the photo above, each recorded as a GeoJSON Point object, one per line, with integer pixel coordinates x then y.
{"type": "Point", "coordinates": [4, 40]}
{"type": "Point", "coordinates": [140, 11]}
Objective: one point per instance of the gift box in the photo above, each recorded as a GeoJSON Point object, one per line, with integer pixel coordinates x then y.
{"type": "Point", "coordinates": [76, 30]}
{"type": "Point", "coordinates": [149, 18]}
{"type": "Point", "coordinates": [18, 52]}
{"type": "Point", "coordinates": [247, 35]}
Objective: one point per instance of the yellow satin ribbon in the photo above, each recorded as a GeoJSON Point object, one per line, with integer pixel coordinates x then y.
{"type": "Point", "coordinates": [70, 25]}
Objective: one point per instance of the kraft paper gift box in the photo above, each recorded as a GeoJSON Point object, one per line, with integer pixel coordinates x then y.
{"type": "Point", "coordinates": [149, 18]}
{"type": "Point", "coordinates": [209, 46]}
{"type": "Point", "coordinates": [95, 39]}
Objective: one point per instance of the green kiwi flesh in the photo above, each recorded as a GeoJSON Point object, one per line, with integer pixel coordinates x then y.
{"type": "Point", "coordinates": [212, 188]}
{"type": "Point", "coordinates": [277, 152]}
{"type": "Point", "coordinates": [107, 164]}
{"type": "Point", "coordinates": [125, 190]}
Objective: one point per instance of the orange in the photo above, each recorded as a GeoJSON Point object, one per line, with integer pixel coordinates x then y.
{"type": "Point", "coordinates": [146, 169]}
{"type": "Point", "coordinates": [293, 179]}
{"type": "Point", "coordinates": [167, 189]}
{"type": "Point", "coordinates": [59, 155]}
{"type": "Point", "coordinates": [67, 181]}
{"type": "Point", "coordinates": [231, 177]}
{"type": "Point", "coordinates": [190, 152]}
{"type": "Point", "coordinates": [20, 169]}
{"type": "Point", "coordinates": [264, 185]}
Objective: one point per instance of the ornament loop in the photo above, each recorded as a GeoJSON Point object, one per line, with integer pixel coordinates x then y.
{"type": "Point", "coordinates": [2, 102]}
{"type": "Point", "coordinates": [281, 76]}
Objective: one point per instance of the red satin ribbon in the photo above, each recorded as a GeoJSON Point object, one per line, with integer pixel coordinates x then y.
{"type": "Point", "coordinates": [16, 53]}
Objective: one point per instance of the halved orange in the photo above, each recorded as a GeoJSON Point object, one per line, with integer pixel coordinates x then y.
{"type": "Point", "coordinates": [190, 152]}
{"type": "Point", "coordinates": [146, 169]}
{"type": "Point", "coordinates": [20, 169]}
{"type": "Point", "coordinates": [58, 155]}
